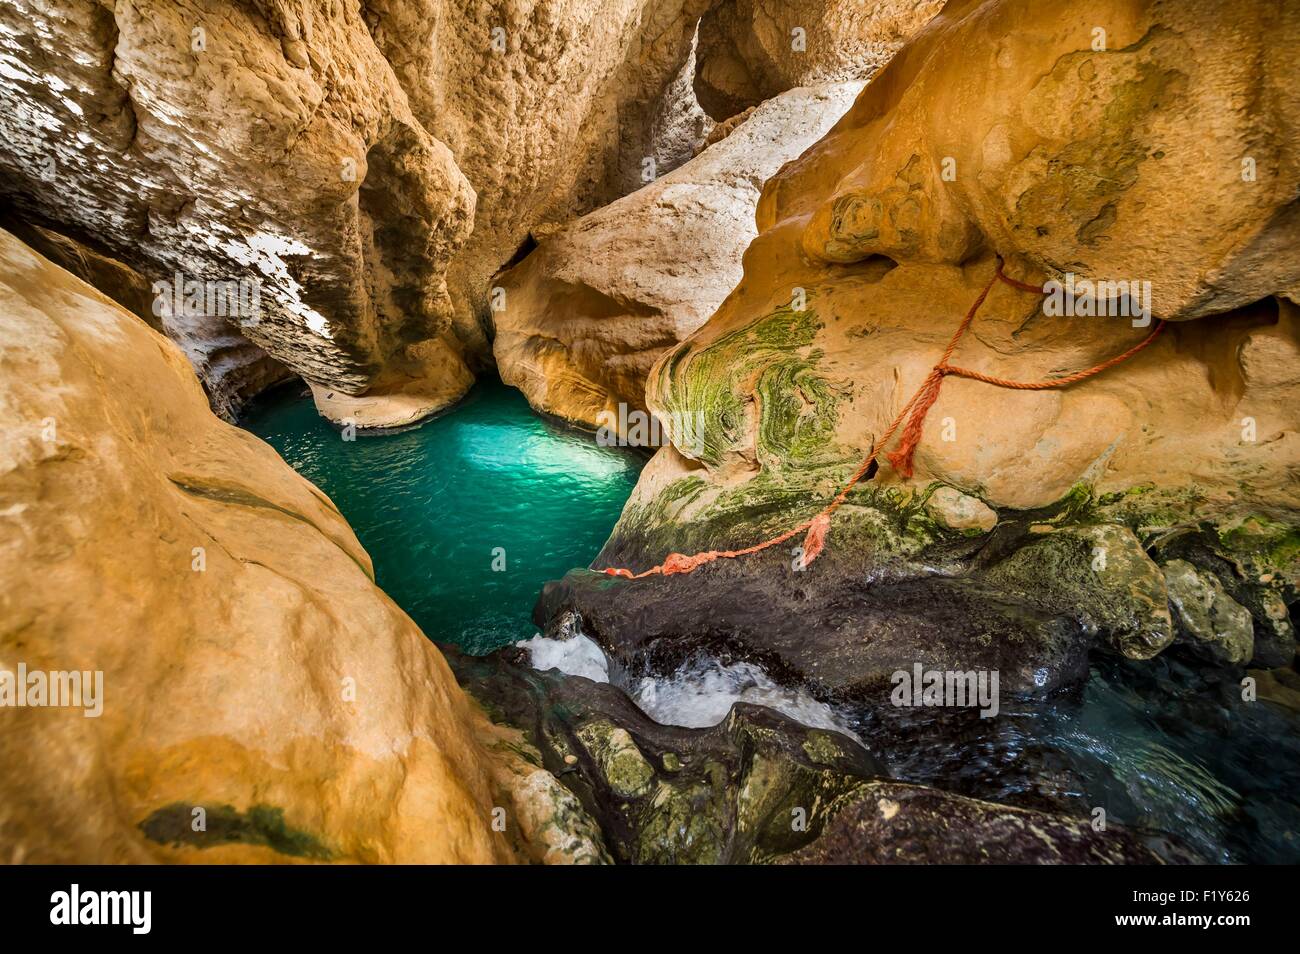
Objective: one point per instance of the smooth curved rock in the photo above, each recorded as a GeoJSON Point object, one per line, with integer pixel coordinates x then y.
{"type": "Point", "coordinates": [588, 312]}
{"type": "Point", "coordinates": [958, 511]}
{"type": "Point", "coordinates": [262, 700]}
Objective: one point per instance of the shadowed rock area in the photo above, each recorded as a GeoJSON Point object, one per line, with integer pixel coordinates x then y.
{"type": "Point", "coordinates": [760, 788]}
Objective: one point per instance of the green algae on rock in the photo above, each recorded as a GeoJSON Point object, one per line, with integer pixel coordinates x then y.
{"type": "Point", "coordinates": [1101, 574]}
{"type": "Point", "coordinates": [202, 826]}
{"type": "Point", "coordinates": [761, 788]}
{"type": "Point", "coordinates": [754, 392]}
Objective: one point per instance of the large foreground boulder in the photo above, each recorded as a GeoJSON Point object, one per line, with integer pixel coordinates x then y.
{"type": "Point", "coordinates": [243, 690]}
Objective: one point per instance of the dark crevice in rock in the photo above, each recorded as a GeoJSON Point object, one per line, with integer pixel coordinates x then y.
{"type": "Point", "coordinates": [526, 248]}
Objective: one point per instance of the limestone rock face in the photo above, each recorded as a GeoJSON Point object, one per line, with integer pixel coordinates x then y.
{"type": "Point", "coordinates": [549, 108]}
{"type": "Point", "coordinates": [352, 159]}
{"type": "Point", "coordinates": [1079, 139]}
{"type": "Point", "coordinates": [1213, 621]}
{"type": "Point", "coordinates": [588, 312]}
{"type": "Point", "coordinates": [1073, 156]}
{"type": "Point", "coordinates": [267, 141]}
{"type": "Point", "coordinates": [262, 699]}
{"type": "Point", "coordinates": [751, 50]}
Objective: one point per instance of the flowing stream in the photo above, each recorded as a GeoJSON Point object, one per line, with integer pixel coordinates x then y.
{"type": "Point", "coordinates": [467, 515]}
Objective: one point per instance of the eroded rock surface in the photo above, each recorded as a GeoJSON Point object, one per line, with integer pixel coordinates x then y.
{"type": "Point", "coordinates": [588, 312]}
{"type": "Point", "coordinates": [752, 50]}
{"type": "Point", "coordinates": [1005, 129]}
{"type": "Point", "coordinates": [262, 699]}
{"type": "Point", "coordinates": [370, 165]}
{"type": "Point", "coordinates": [268, 141]}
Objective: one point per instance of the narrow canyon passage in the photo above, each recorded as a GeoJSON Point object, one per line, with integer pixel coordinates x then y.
{"type": "Point", "coordinates": [946, 503]}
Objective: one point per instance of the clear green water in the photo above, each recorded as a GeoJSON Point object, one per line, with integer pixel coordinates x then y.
{"type": "Point", "coordinates": [439, 505]}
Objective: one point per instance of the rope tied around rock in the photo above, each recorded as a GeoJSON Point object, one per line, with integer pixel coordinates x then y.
{"type": "Point", "coordinates": [914, 412]}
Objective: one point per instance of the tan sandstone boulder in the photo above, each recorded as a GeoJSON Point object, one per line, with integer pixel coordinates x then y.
{"type": "Point", "coordinates": [1115, 164]}
{"type": "Point", "coordinates": [262, 699]}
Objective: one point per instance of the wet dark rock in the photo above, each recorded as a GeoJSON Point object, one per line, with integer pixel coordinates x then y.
{"type": "Point", "coordinates": [759, 787]}
{"type": "Point", "coordinates": [1253, 584]}
{"type": "Point", "coordinates": [755, 786]}
{"type": "Point", "coordinates": [895, 823]}
{"type": "Point", "coordinates": [829, 628]}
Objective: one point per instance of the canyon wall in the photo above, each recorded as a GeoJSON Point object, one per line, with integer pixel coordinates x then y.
{"type": "Point", "coordinates": [369, 165]}
{"type": "Point", "coordinates": [258, 697]}
{"type": "Point", "coordinates": [586, 314]}
{"type": "Point", "coordinates": [1081, 142]}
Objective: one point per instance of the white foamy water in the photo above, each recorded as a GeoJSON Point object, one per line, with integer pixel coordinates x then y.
{"type": "Point", "coordinates": [697, 695]}
{"type": "Point", "coordinates": [575, 656]}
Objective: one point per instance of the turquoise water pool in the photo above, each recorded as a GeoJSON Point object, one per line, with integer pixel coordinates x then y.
{"type": "Point", "coordinates": [467, 515]}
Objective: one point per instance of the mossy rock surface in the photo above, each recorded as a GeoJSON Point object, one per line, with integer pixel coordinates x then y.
{"type": "Point", "coordinates": [1031, 596]}
{"type": "Point", "coordinates": [761, 788]}
{"type": "Point", "coordinates": [755, 390]}
{"type": "Point", "coordinates": [748, 789]}
{"type": "Point", "coordinates": [205, 826]}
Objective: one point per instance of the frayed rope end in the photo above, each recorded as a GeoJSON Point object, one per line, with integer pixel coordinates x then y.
{"type": "Point", "coordinates": [815, 540]}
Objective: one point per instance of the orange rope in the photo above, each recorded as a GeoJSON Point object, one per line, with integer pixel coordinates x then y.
{"type": "Point", "coordinates": [901, 459]}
